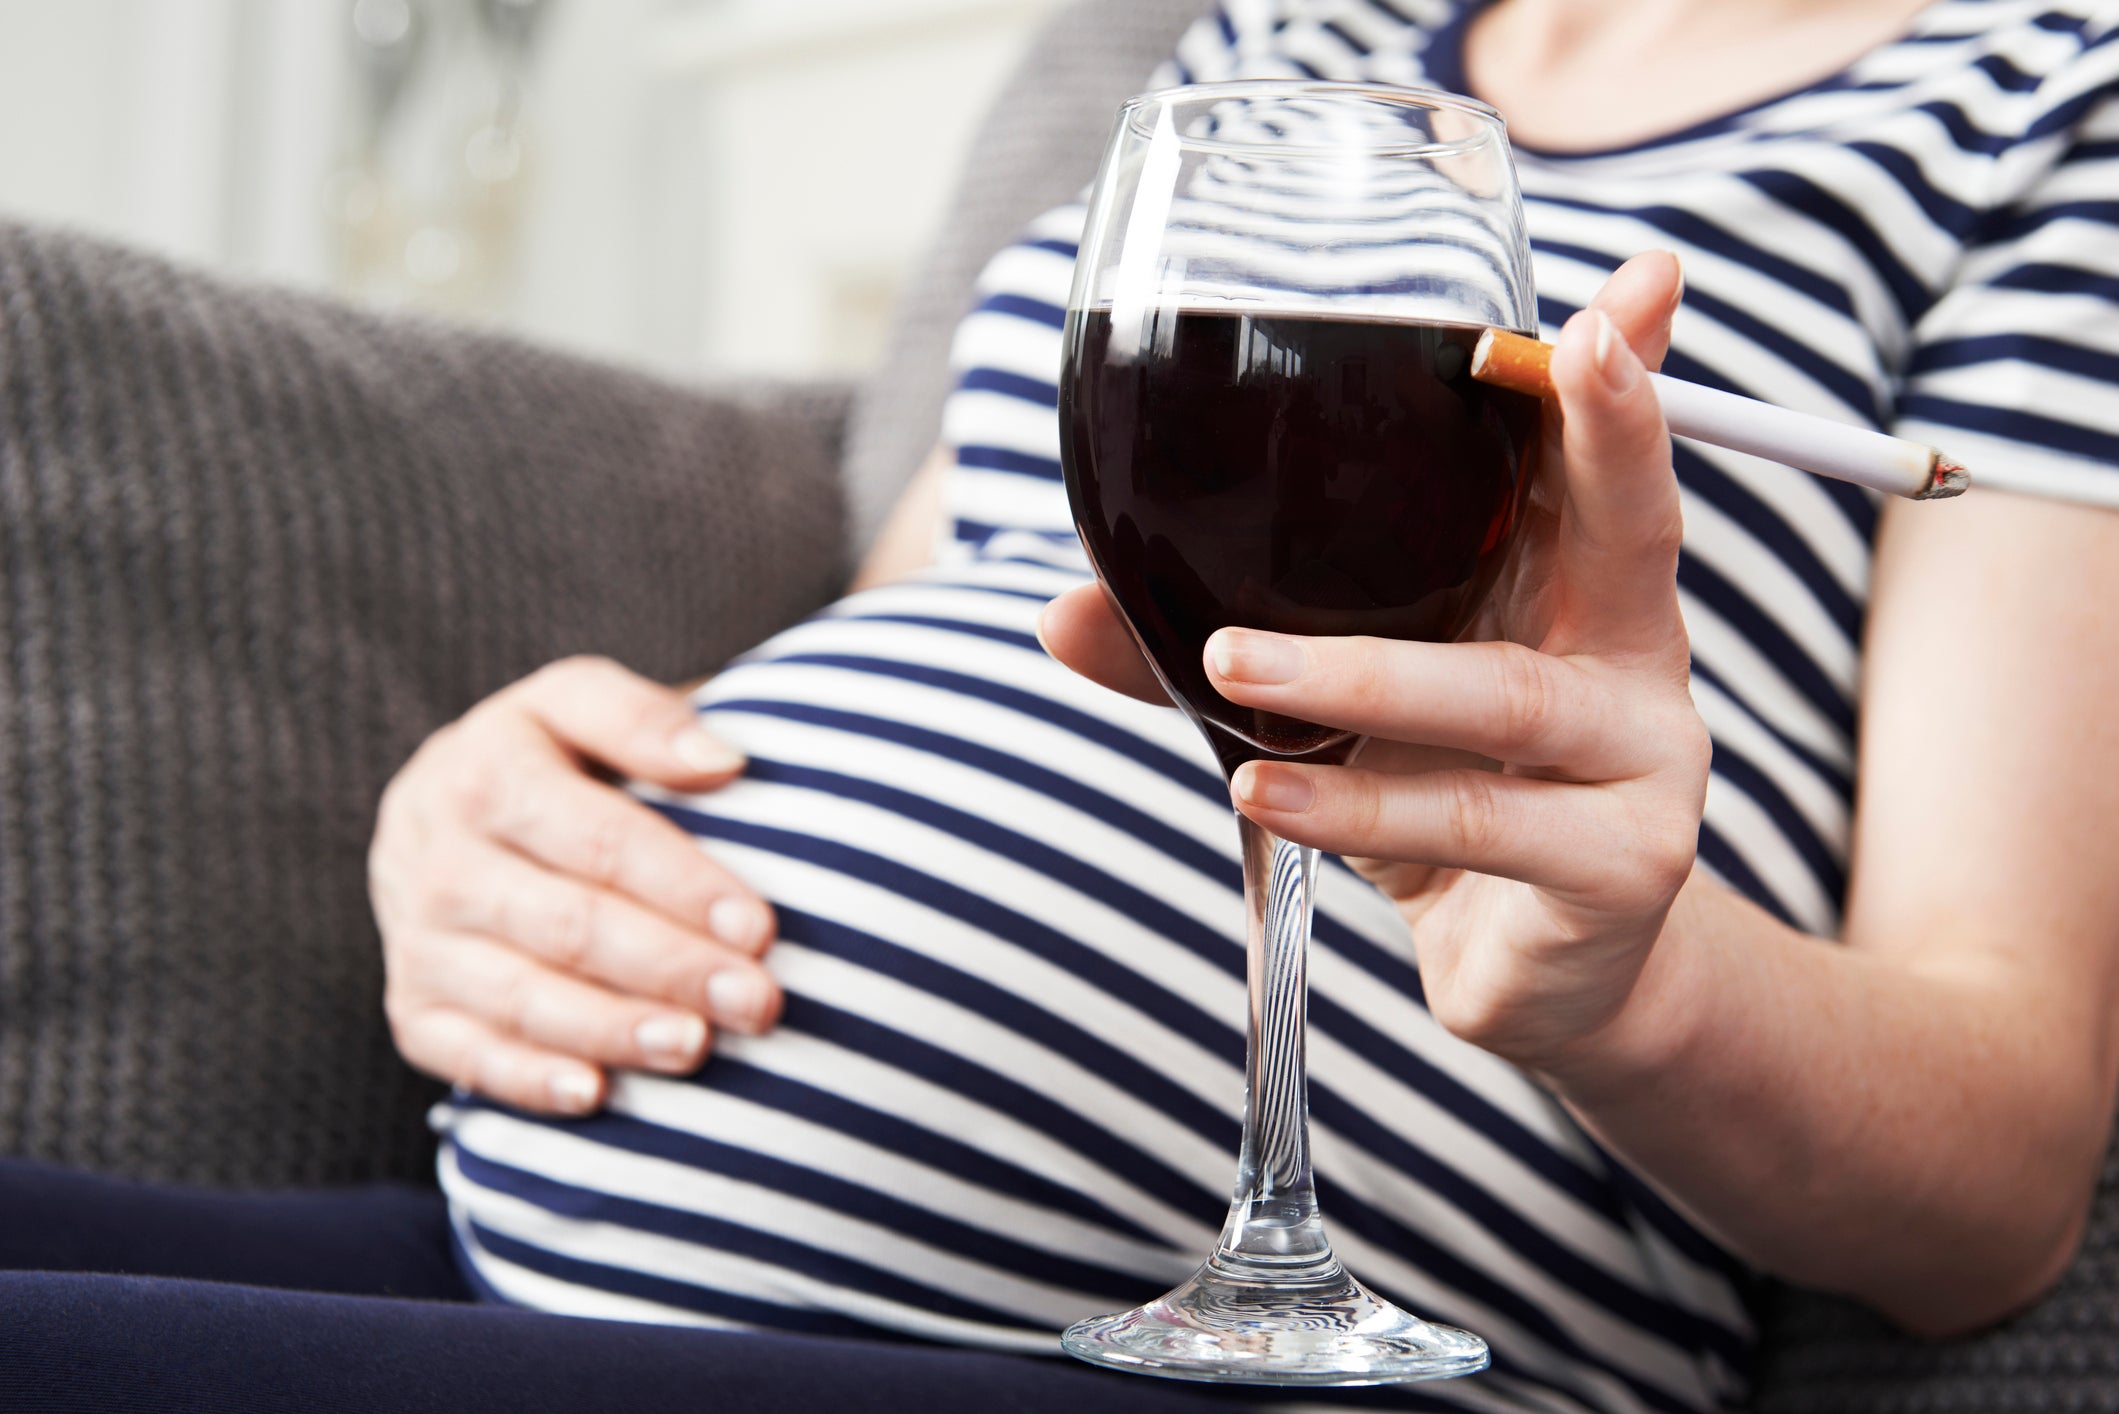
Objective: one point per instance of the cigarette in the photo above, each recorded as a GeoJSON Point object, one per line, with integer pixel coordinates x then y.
{"type": "Point", "coordinates": [1797, 439]}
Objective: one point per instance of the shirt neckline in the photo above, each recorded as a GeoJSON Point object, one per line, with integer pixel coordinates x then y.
{"type": "Point", "coordinates": [1443, 61]}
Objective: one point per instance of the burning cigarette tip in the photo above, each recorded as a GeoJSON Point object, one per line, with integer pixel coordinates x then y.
{"type": "Point", "coordinates": [1948, 479]}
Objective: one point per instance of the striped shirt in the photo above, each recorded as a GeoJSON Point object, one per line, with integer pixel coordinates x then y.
{"type": "Point", "coordinates": [1007, 1088]}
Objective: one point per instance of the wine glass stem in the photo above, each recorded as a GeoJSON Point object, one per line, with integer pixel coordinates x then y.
{"type": "Point", "coordinates": [1273, 1231]}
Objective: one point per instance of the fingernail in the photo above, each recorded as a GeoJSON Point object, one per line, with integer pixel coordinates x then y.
{"type": "Point", "coordinates": [739, 922]}
{"type": "Point", "coordinates": [574, 1091]}
{"type": "Point", "coordinates": [1620, 368]}
{"type": "Point", "coordinates": [1275, 788]}
{"type": "Point", "coordinates": [1678, 296]}
{"type": "Point", "coordinates": [1246, 655]}
{"type": "Point", "coordinates": [702, 751]}
{"type": "Point", "coordinates": [739, 997]}
{"type": "Point", "coordinates": [671, 1040]}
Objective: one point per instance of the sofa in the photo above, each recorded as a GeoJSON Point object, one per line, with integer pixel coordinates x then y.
{"type": "Point", "coordinates": [254, 546]}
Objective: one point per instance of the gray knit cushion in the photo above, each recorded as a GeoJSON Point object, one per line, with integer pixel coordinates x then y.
{"type": "Point", "coordinates": [1037, 148]}
{"type": "Point", "coordinates": [1826, 1356]}
{"type": "Point", "coordinates": [253, 547]}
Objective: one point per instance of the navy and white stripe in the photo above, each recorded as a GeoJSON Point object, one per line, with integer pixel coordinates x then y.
{"type": "Point", "coordinates": [1006, 1091]}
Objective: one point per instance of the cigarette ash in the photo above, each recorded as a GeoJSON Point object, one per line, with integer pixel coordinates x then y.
{"type": "Point", "coordinates": [1946, 480]}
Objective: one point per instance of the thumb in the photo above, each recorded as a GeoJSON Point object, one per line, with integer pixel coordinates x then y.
{"type": "Point", "coordinates": [1083, 630]}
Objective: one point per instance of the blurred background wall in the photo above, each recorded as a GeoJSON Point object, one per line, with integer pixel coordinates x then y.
{"type": "Point", "coordinates": [702, 187]}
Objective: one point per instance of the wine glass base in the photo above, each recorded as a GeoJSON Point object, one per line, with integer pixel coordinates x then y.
{"type": "Point", "coordinates": [1231, 1327]}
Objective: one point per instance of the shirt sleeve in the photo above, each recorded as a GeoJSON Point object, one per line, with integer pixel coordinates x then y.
{"type": "Point", "coordinates": [2014, 370]}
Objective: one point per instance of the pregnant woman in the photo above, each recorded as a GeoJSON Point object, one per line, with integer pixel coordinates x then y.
{"type": "Point", "coordinates": [1592, 1036]}
{"type": "Point", "coordinates": [1750, 912]}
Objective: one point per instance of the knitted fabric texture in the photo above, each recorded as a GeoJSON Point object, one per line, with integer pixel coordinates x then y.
{"type": "Point", "coordinates": [1824, 1356]}
{"type": "Point", "coordinates": [254, 548]}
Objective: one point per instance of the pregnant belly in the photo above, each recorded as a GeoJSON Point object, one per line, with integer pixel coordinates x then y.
{"type": "Point", "coordinates": [1006, 1089]}
{"type": "Point", "coordinates": [1004, 1092]}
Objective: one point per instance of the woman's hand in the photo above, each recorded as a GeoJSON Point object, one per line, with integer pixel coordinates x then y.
{"type": "Point", "coordinates": [539, 924]}
{"type": "Point", "coordinates": [1533, 805]}
{"type": "Point", "coordinates": [1911, 1114]}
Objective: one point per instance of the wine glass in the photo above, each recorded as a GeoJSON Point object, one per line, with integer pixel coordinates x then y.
{"type": "Point", "coordinates": [1267, 420]}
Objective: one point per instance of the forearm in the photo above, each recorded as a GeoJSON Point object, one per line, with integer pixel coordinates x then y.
{"type": "Point", "coordinates": [1904, 1127]}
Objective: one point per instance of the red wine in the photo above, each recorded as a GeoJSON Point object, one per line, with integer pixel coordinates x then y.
{"type": "Point", "coordinates": [1304, 473]}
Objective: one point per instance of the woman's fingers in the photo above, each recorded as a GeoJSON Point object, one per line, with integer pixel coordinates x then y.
{"type": "Point", "coordinates": [1082, 630]}
{"type": "Point", "coordinates": [546, 1007]}
{"type": "Point", "coordinates": [463, 1050]}
{"type": "Point", "coordinates": [1497, 700]}
{"type": "Point", "coordinates": [578, 928]}
{"type": "Point", "coordinates": [1549, 834]}
{"type": "Point", "coordinates": [519, 795]}
{"type": "Point", "coordinates": [1617, 543]}
{"type": "Point", "coordinates": [611, 715]}
{"type": "Point", "coordinates": [537, 922]}
{"type": "Point", "coordinates": [1641, 296]}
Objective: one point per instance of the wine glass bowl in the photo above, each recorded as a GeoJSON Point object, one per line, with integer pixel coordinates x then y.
{"type": "Point", "coordinates": [1267, 421]}
{"type": "Point", "coordinates": [1266, 414]}
{"type": "Point", "coordinates": [1308, 473]}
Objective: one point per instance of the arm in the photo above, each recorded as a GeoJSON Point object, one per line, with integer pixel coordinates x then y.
{"type": "Point", "coordinates": [1913, 1117]}
{"type": "Point", "coordinates": [1917, 1116]}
